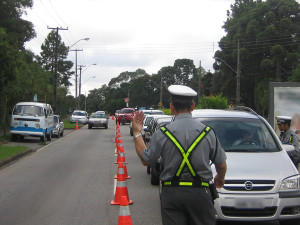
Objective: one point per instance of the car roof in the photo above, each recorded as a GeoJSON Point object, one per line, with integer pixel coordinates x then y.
{"type": "Point", "coordinates": [218, 113]}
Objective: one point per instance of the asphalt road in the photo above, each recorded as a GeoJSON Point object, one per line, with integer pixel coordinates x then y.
{"type": "Point", "coordinates": [71, 181]}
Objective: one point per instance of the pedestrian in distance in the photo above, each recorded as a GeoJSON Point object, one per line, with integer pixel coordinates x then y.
{"type": "Point", "coordinates": [288, 136]}
{"type": "Point", "coordinates": [186, 147]}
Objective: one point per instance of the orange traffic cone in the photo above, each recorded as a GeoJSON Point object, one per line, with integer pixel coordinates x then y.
{"type": "Point", "coordinates": [76, 127]}
{"type": "Point", "coordinates": [118, 145]}
{"type": "Point", "coordinates": [122, 171]}
{"type": "Point", "coordinates": [121, 155]}
{"type": "Point", "coordinates": [121, 189]}
{"type": "Point", "coordinates": [112, 117]}
{"type": "Point", "coordinates": [124, 213]}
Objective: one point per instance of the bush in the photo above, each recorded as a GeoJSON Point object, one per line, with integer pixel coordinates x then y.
{"type": "Point", "coordinates": [214, 102]}
{"type": "Point", "coordinates": [167, 111]}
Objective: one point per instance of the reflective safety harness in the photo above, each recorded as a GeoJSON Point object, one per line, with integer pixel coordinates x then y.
{"type": "Point", "coordinates": [185, 161]}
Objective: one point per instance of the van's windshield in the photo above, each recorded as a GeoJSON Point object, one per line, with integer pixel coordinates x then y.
{"type": "Point", "coordinates": [28, 110]}
{"type": "Point", "coordinates": [242, 135]}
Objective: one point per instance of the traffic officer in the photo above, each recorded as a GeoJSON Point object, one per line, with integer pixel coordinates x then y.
{"type": "Point", "coordinates": [186, 147]}
{"type": "Point", "coordinates": [288, 136]}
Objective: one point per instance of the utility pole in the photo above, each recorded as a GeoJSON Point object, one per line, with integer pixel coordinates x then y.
{"type": "Point", "coordinates": [55, 68]}
{"type": "Point", "coordinates": [76, 50]}
{"type": "Point", "coordinates": [238, 76]}
{"type": "Point", "coordinates": [80, 69]}
{"type": "Point", "coordinates": [199, 83]}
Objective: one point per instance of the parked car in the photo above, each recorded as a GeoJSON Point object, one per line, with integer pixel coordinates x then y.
{"type": "Point", "coordinates": [156, 122]}
{"type": "Point", "coordinates": [146, 113]}
{"type": "Point", "coordinates": [262, 184]}
{"type": "Point", "coordinates": [125, 116]}
{"type": "Point", "coordinates": [32, 119]}
{"type": "Point", "coordinates": [98, 120]}
{"type": "Point", "coordinates": [80, 116]}
{"type": "Point", "coordinates": [58, 126]}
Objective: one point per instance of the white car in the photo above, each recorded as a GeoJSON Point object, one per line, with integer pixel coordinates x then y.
{"type": "Point", "coordinates": [261, 183]}
{"type": "Point", "coordinates": [80, 116]}
{"type": "Point", "coordinates": [98, 120]}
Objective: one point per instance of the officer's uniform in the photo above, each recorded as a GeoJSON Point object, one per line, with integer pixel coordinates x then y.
{"type": "Point", "coordinates": [186, 146]}
{"type": "Point", "coordinates": [289, 137]}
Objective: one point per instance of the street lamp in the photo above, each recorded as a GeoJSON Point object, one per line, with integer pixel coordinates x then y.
{"type": "Point", "coordinates": [85, 92]}
{"type": "Point", "coordinates": [76, 50]}
{"type": "Point", "coordinates": [238, 82]}
{"type": "Point", "coordinates": [83, 39]}
{"type": "Point", "coordinates": [80, 68]}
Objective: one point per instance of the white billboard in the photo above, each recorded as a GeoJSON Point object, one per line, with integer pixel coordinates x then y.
{"type": "Point", "coordinates": [284, 101]}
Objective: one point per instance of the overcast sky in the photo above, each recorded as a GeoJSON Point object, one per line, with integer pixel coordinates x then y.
{"type": "Point", "coordinates": [126, 35]}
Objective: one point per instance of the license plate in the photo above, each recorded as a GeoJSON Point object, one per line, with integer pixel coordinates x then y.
{"type": "Point", "coordinates": [248, 203]}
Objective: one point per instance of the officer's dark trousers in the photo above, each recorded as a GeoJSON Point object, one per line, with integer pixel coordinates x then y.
{"type": "Point", "coordinates": [187, 206]}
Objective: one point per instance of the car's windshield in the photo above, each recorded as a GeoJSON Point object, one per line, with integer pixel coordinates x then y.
{"type": "Point", "coordinates": [28, 110]}
{"type": "Point", "coordinates": [242, 135]}
{"type": "Point", "coordinates": [97, 115]}
{"type": "Point", "coordinates": [78, 114]}
{"type": "Point", "coordinates": [147, 120]}
{"type": "Point", "coordinates": [126, 111]}
{"type": "Point", "coordinates": [55, 118]}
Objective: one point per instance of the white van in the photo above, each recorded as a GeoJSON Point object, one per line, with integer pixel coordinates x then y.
{"type": "Point", "coordinates": [32, 119]}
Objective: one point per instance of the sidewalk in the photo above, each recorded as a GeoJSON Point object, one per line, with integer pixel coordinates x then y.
{"type": "Point", "coordinates": [33, 144]}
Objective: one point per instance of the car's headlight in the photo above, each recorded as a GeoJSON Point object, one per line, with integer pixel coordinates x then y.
{"type": "Point", "coordinates": [290, 183]}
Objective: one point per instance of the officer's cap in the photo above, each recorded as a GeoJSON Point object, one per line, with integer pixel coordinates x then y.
{"type": "Point", "coordinates": [283, 119]}
{"type": "Point", "coordinates": [181, 90]}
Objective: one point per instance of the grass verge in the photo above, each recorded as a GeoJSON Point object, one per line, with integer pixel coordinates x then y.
{"type": "Point", "coordinates": [69, 125]}
{"type": "Point", "coordinates": [9, 151]}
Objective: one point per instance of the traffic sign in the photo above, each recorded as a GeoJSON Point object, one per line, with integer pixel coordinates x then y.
{"type": "Point", "coordinates": [126, 100]}
{"type": "Point", "coordinates": [160, 103]}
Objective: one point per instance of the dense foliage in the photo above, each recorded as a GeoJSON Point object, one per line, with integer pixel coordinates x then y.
{"type": "Point", "coordinates": [269, 47]}
{"type": "Point", "coordinates": [267, 33]}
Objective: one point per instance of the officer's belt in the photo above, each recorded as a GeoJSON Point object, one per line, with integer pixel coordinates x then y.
{"type": "Point", "coordinates": [185, 184]}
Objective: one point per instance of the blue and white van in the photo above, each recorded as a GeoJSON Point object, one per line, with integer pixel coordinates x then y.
{"type": "Point", "coordinates": [32, 119]}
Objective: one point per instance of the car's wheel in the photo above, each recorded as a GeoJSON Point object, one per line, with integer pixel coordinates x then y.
{"type": "Point", "coordinates": [123, 122]}
{"type": "Point", "coordinates": [106, 126]}
{"type": "Point", "coordinates": [43, 138]}
{"type": "Point", "coordinates": [90, 126]}
{"type": "Point", "coordinates": [49, 136]}
{"type": "Point", "coordinates": [154, 179]}
{"type": "Point", "coordinates": [148, 169]}
{"type": "Point", "coordinates": [131, 132]}
{"type": "Point", "coordinates": [13, 137]}
{"type": "Point", "coordinates": [62, 133]}
{"type": "Point", "coordinates": [22, 138]}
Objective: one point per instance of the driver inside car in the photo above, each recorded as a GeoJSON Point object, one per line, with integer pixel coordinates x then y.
{"type": "Point", "coordinates": [246, 138]}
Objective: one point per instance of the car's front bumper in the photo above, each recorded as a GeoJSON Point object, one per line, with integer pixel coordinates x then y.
{"type": "Point", "coordinates": [258, 207]}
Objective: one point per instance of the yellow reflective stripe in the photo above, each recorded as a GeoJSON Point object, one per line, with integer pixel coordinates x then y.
{"type": "Point", "coordinates": [167, 183]}
{"type": "Point", "coordinates": [185, 155]}
{"type": "Point", "coordinates": [186, 183]}
{"type": "Point", "coordinates": [205, 184]}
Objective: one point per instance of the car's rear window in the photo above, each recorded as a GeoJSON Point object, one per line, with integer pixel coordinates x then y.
{"type": "Point", "coordinates": [126, 111]}
{"type": "Point", "coordinates": [242, 135]}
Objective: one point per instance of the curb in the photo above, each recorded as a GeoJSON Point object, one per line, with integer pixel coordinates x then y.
{"type": "Point", "coordinates": [15, 157]}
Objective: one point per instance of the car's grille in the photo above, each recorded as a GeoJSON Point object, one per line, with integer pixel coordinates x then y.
{"type": "Point", "coordinates": [233, 212]}
{"type": "Point", "coordinates": [249, 185]}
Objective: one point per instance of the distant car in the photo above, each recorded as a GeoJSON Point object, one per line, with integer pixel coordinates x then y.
{"type": "Point", "coordinates": [58, 127]}
{"type": "Point", "coordinates": [80, 116]}
{"type": "Point", "coordinates": [98, 120]}
{"type": "Point", "coordinates": [146, 113]}
{"type": "Point", "coordinates": [125, 115]}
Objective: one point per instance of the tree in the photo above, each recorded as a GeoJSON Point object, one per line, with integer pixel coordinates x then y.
{"type": "Point", "coordinates": [18, 29]}
{"type": "Point", "coordinates": [269, 45]}
{"type": "Point", "coordinates": [47, 59]}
